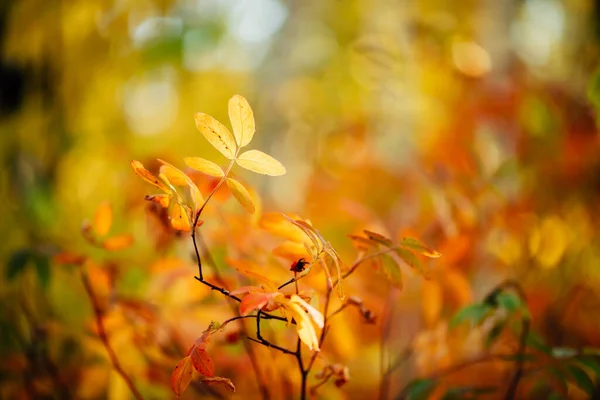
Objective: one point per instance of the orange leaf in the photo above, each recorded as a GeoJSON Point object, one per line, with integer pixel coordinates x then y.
{"type": "Point", "coordinates": [241, 194]}
{"type": "Point", "coordinates": [278, 225]}
{"type": "Point", "coordinates": [160, 199]}
{"type": "Point", "coordinates": [431, 303]}
{"type": "Point", "coordinates": [180, 219]}
{"type": "Point", "coordinates": [119, 242]}
{"type": "Point", "coordinates": [103, 219]}
{"type": "Point", "coordinates": [254, 301]}
{"type": "Point", "coordinates": [69, 258]}
{"type": "Point", "coordinates": [142, 172]}
{"type": "Point", "coordinates": [182, 376]}
{"type": "Point", "coordinates": [202, 362]}
{"type": "Point", "coordinates": [217, 380]}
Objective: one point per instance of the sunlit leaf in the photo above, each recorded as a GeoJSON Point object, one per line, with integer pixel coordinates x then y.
{"type": "Point", "coordinates": [278, 224]}
{"type": "Point", "coordinates": [180, 219]}
{"type": "Point", "coordinates": [182, 375]}
{"type": "Point", "coordinates": [119, 242]}
{"type": "Point", "coordinates": [291, 250]}
{"type": "Point", "coordinates": [142, 172]}
{"type": "Point", "coordinates": [202, 361]}
{"type": "Point", "coordinates": [253, 301]}
{"type": "Point", "coordinates": [160, 199]}
{"type": "Point", "coordinates": [304, 326]}
{"type": "Point", "coordinates": [177, 177]}
{"type": "Point", "coordinates": [261, 163]}
{"type": "Point", "coordinates": [338, 269]}
{"type": "Point", "coordinates": [419, 247]}
{"type": "Point", "coordinates": [315, 314]}
{"type": "Point", "coordinates": [103, 219]}
{"type": "Point", "coordinates": [308, 231]}
{"type": "Point", "coordinates": [242, 120]}
{"type": "Point", "coordinates": [205, 166]}
{"type": "Point", "coordinates": [216, 134]}
{"type": "Point", "coordinates": [217, 380]}
{"type": "Point", "coordinates": [241, 195]}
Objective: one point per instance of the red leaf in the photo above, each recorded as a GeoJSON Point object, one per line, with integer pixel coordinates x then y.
{"type": "Point", "coordinates": [202, 362]}
{"type": "Point", "coordinates": [182, 376]}
{"type": "Point", "coordinates": [253, 301]}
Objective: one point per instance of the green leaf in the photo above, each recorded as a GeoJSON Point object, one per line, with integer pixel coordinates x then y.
{"type": "Point", "coordinates": [581, 379]}
{"type": "Point", "coordinates": [509, 301]}
{"type": "Point", "coordinates": [470, 392]}
{"type": "Point", "coordinates": [474, 313]}
{"type": "Point", "coordinates": [494, 333]}
{"type": "Point", "coordinates": [392, 271]}
{"type": "Point", "coordinates": [420, 247]}
{"type": "Point", "coordinates": [17, 263]}
{"type": "Point", "coordinates": [42, 269]}
{"type": "Point", "coordinates": [409, 258]}
{"type": "Point", "coordinates": [419, 389]}
{"type": "Point", "coordinates": [591, 362]}
{"type": "Point", "coordinates": [533, 340]}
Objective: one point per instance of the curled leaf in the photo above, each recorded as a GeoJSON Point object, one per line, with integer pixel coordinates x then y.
{"type": "Point", "coordinates": [261, 163]}
{"type": "Point", "coordinates": [205, 166]}
{"type": "Point", "coordinates": [160, 199]}
{"type": "Point", "coordinates": [241, 195]}
{"type": "Point", "coordinates": [379, 238]}
{"type": "Point", "coordinates": [177, 177]}
{"type": "Point", "coordinates": [182, 376]}
{"type": "Point", "coordinates": [242, 120]}
{"type": "Point", "coordinates": [216, 134]}
{"type": "Point", "coordinates": [217, 380]}
{"type": "Point", "coordinates": [146, 175]}
{"type": "Point", "coordinates": [103, 219]}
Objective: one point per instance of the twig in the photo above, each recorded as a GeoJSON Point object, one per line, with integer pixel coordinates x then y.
{"type": "Point", "coordinates": [104, 337]}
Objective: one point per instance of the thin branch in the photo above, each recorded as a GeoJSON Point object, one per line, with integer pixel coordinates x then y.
{"type": "Point", "coordinates": [104, 337]}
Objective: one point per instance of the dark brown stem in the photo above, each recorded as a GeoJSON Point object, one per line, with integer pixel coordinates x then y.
{"type": "Point", "coordinates": [104, 337]}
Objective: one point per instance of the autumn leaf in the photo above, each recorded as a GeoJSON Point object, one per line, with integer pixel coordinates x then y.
{"type": "Point", "coordinates": [177, 177]}
{"type": "Point", "coordinates": [218, 380]}
{"type": "Point", "coordinates": [410, 259]}
{"type": "Point", "coordinates": [304, 327]}
{"type": "Point", "coordinates": [103, 219]}
{"type": "Point", "coordinates": [202, 361]}
{"type": "Point", "coordinates": [379, 238]}
{"type": "Point", "coordinates": [254, 301]}
{"type": "Point", "coordinates": [315, 314]}
{"type": "Point", "coordinates": [241, 195]}
{"type": "Point", "coordinates": [261, 163]}
{"type": "Point", "coordinates": [119, 242]}
{"type": "Point", "coordinates": [182, 375]}
{"type": "Point", "coordinates": [419, 247]}
{"type": "Point", "coordinates": [216, 134]}
{"type": "Point", "coordinates": [146, 175]}
{"type": "Point", "coordinates": [162, 200]}
{"type": "Point", "coordinates": [205, 166]}
{"type": "Point", "coordinates": [242, 120]}
{"type": "Point", "coordinates": [180, 219]}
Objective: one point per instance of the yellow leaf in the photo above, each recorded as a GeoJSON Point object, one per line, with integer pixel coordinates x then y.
{"type": "Point", "coordinates": [306, 330]}
{"type": "Point", "coordinates": [205, 166]}
{"type": "Point", "coordinates": [103, 219]}
{"type": "Point", "coordinates": [242, 120]}
{"type": "Point", "coordinates": [182, 375]}
{"type": "Point", "coordinates": [179, 218]}
{"type": "Point", "coordinates": [241, 194]}
{"type": "Point", "coordinates": [278, 224]}
{"type": "Point", "coordinates": [261, 163]}
{"type": "Point", "coordinates": [116, 243]}
{"type": "Point", "coordinates": [432, 301]}
{"type": "Point", "coordinates": [177, 177]}
{"type": "Point", "coordinates": [315, 314]}
{"type": "Point", "coordinates": [139, 169]}
{"type": "Point", "coordinates": [216, 134]}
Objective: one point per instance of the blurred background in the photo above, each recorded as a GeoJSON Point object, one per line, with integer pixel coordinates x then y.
{"type": "Point", "coordinates": [471, 125]}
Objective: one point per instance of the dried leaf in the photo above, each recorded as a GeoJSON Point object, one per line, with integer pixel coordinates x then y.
{"type": "Point", "coordinates": [103, 219]}
{"type": "Point", "coordinates": [216, 134]}
{"type": "Point", "coordinates": [205, 166]}
{"type": "Point", "coordinates": [241, 194]}
{"type": "Point", "coordinates": [261, 163]}
{"type": "Point", "coordinates": [419, 247]}
{"type": "Point", "coordinates": [217, 380]}
{"type": "Point", "coordinates": [142, 172]}
{"type": "Point", "coordinates": [242, 120]}
{"type": "Point", "coordinates": [182, 376]}
{"type": "Point", "coordinates": [202, 361]}
{"type": "Point", "coordinates": [119, 242]}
